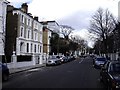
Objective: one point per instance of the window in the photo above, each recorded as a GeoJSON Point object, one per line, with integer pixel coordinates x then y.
{"type": "Point", "coordinates": [28, 34]}
{"type": "Point", "coordinates": [22, 19]}
{"type": "Point", "coordinates": [28, 22]}
{"type": "Point", "coordinates": [115, 67]}
{"type": "Point", "coordinates": [31, 47]}
{"type": "Point", "coordinates": [40, 49]}
{"type": "Point", "coordinates": [35, 49]}
{"type": "Point", "coordinates": [27, 47]}
{"type": "Point", "coordinates": [35, 36]}
{"type": "Point", "coordinates": [35, 25]}
{"type": "Point", "coordinates": [40, 38]}
{"type": "Point", "coordinates": [22, 32]}
{"type": "Point", "coordinates": [21, 46]}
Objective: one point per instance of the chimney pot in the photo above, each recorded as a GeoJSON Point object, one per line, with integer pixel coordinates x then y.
{"type": "Point", "coordinates": [24, 7]}
{"type": "Point", "coordinates": [36, 18]}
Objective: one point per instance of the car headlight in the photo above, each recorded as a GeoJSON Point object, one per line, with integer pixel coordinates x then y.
{"type": "Point", "coordinates": [115, 84]}
{"type": "Point", "coordinates": [101, 65]}
{"type": "Point", "coordinates": [117, 87]}
{"type": "Point", "coordinates": [52, 61]}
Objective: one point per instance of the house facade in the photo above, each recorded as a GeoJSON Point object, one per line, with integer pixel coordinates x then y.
{"type": "Point", "coordinates": [48, 28]}
{"type": "Point", "coordinates": [24, 35]}
{"type": "Point", "coordinates": [46, 42]}
{"type": "Point", "coordinates": [3, 8]}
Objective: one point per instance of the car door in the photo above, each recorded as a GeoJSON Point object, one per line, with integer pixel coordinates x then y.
{"type": "Point", "coordinates": [105, 74]}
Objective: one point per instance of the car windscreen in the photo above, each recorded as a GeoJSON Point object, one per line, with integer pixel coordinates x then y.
{"type": "Point", "coordinates": [53, 57]}
{"type": "Point", "coordinates": [115, 68]}
{"type": "Point", "coordinates": [101, 59]}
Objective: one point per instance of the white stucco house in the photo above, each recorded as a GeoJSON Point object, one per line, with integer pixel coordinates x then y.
{"type": "Point", "coordinates": [3, 7]}
{"type": "Point", "coordinates": [25, 41]}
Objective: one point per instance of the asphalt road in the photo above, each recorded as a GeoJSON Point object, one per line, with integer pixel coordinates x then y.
{"type": "Point", "coordinates": [76, 74]}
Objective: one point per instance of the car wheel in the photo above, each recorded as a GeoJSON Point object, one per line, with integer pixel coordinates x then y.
{"type": "Point", "coordinates": [5, 77]}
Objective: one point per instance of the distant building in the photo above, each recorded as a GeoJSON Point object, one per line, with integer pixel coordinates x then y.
{"type": "Point", "coordinates": [48, 28]}
{"type": "Point", "coordinates": [24, 35]}
{"type": "Point", "coordinates": [3, 7]}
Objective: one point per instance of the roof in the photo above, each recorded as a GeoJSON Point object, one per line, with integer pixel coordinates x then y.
{"type": "Point", "coordinates": [19, 9]}
{"type": "Point", "coordinates": [5, 1]}
{"type": "Point", "coordinates": [46, 22]}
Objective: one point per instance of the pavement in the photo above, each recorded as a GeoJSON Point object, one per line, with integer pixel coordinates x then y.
{"type": "Point", "coordinates": [16, 70]}
{"type": "Point", "coordinates": [21, 69]}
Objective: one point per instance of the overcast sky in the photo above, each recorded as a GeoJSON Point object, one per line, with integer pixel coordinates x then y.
{"type": "Point", "coordinates": [75, 13]}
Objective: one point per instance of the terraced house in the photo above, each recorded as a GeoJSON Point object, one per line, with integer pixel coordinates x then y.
{"type": "Point", "coordinates": [23, 36]}
{"type": "Point", "coordinates": [49, 27]}
{"type": "Point", "coordinates": [3, 7]}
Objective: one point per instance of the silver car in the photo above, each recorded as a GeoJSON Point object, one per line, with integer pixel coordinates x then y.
{"type": "Point", "coordinates": [53, 60]}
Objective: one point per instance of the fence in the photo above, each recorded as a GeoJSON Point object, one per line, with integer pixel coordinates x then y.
{"type": "Point", "coordinates": [113, 56]}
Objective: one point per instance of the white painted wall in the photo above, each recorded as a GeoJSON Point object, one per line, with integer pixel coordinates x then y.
{"type": "Point", "coordinates": [3, 7]}
{"type": "Point", "coordinates": [36, 30]}
{"type": "Point", "coordinates": [20, 64]}
{"type": "Point", "coordinates": [119, 11]}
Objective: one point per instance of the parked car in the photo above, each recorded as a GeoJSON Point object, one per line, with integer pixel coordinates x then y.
{"type": "Point", "coordinates": [73, 57]}
{"type": "Point", "coordinates": [99, 62]}
{"type": "Point", "coordinates": [94, 58]}
{"type": "Point", "coordinates": [110, 74]}
{"type": "Point", "coordinates": [63, 59]}
{"type": "Point", "coordinates": [5, 72]}
{"type": "Point", "coordinates": [69, 58]}
{"type": "Point", "coordinates": [53, 60]}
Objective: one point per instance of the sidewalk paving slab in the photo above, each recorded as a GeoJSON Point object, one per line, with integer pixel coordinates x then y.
{"type": "Point", "coordinates": [16, 70]}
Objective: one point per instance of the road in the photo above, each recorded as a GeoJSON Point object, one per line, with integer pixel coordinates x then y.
{"type": "Point", "coordinates": [75, 74]}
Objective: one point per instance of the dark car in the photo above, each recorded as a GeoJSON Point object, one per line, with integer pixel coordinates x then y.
{"type": "Point", "coordinates": [110, 74]}
{"type": "Point", "coordinates": [5, 72]}
{"type": "Point", "coordinates": [64, 59]}
{"type": "Point", "coordinates": [99, 62]}
{"type": "Point", "coordinates": [94, 58]}
{"type": "Point", "coordinates": [69, 58]}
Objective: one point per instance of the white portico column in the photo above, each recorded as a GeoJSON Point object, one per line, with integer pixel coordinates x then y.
{"type": "Point", "coordinates": [33, 59]}
{"type": "Point", "coordinates": [14, 59]}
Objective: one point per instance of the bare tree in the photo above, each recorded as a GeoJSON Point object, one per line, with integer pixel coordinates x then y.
{"type": "Point", "coordinates": [116, 34]}
{"type": "Point", "coordinates": [81, 42]}
{"type": "Point", "coordinates": [102, 24]}
{"type": "Point", "coordinates": [66, 31]}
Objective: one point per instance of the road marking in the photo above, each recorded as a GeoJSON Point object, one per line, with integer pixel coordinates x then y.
{"type": "Point", "coordinates": [28, 74]}
{"type": "Point", "coordinates": [69, 71]}
{"type": "Point", "coordinates": [81, 61]}
{"type": "Point", "coordinates": [32, 70]}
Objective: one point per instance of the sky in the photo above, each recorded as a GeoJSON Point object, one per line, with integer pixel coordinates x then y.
{"type": "Point", "coordinates": [75, 13]}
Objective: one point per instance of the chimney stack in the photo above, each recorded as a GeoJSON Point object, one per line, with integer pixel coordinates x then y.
{"type": "Point", "coordinates": [24, 7]}
{"type": "Point", "coordinates": [36, 18]}
{"type": "Point", "coordinates": [9, 7]}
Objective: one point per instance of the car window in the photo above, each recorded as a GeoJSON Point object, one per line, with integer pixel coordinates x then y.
{"type": "Point", "coordinates": [101, 59]}
{"type": "Point", "coordinates": [57, 56]}
{"type": "Point", "coordinates": [115, 68]}
{"type": "Point", "coordinates": [0, 65]}
{"type": "Point", "coordinates": [53, 57]}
